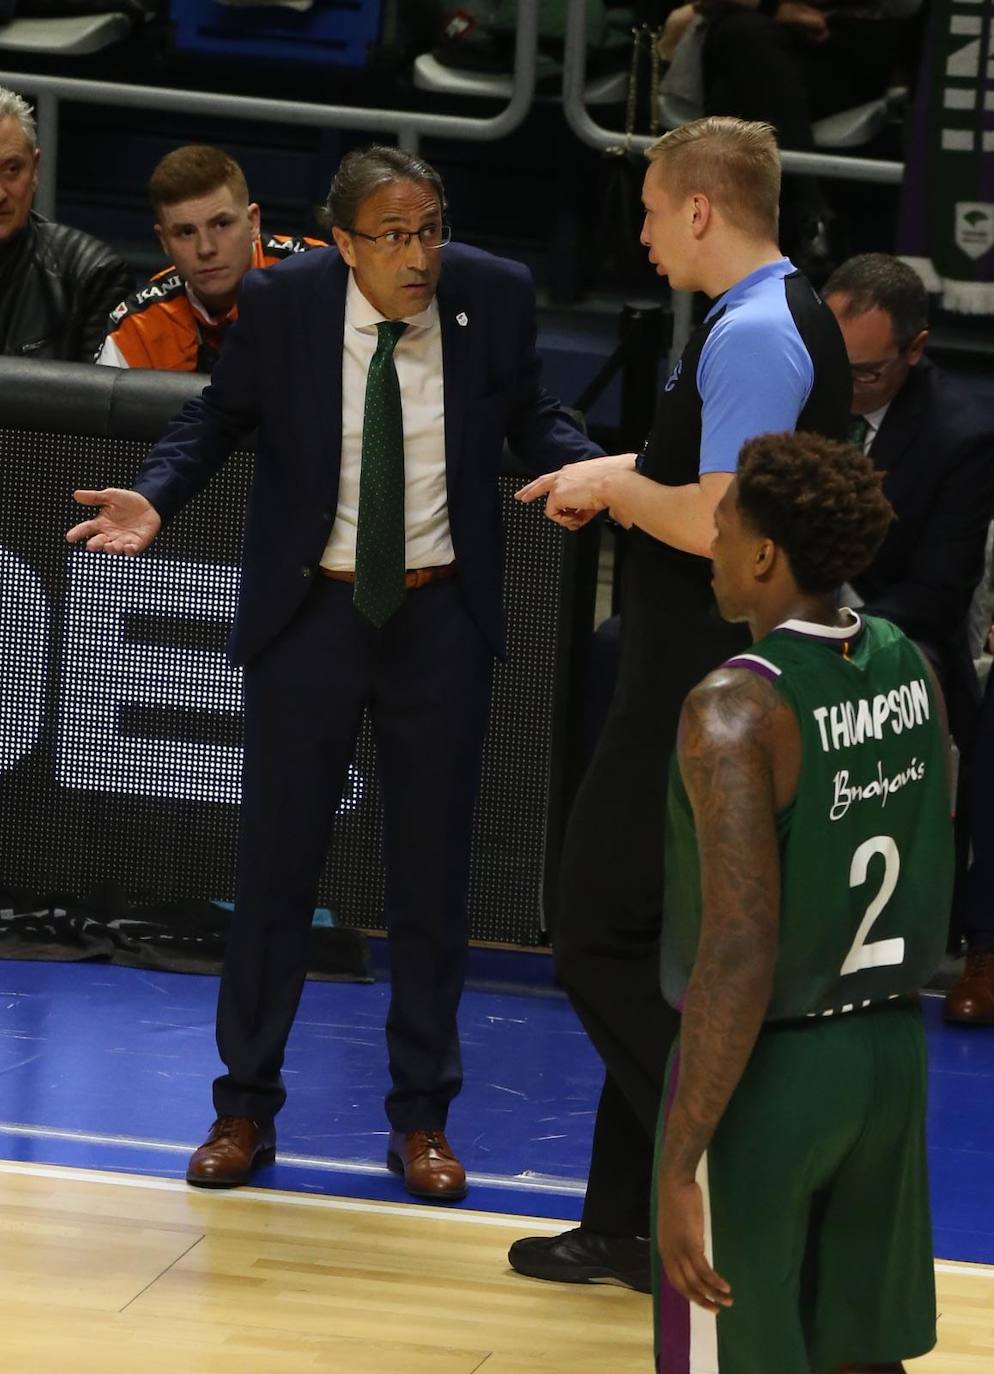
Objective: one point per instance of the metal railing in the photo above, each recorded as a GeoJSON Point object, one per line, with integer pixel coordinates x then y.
{"type": "Point", "coordinates": [407, 125]}
{"type": "Point", "coordinates": [587, 129]}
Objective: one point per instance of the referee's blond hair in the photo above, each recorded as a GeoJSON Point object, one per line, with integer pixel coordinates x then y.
{"type": "Point", "coordinates": [734, 162]}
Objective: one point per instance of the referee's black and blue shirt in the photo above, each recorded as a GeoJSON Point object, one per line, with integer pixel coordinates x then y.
{"type": "Point", "coordinates": [768, 357]}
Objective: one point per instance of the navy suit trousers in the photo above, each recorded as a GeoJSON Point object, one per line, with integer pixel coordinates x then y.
{"type": "Point", "coordinates": [426, 679]}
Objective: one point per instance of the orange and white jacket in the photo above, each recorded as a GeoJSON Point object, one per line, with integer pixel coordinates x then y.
{"type": "Point", "coordinates": [165, 326]}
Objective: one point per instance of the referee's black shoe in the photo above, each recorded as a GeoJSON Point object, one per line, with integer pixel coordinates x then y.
{"type": "Point", "coordinates": [581, 1256]}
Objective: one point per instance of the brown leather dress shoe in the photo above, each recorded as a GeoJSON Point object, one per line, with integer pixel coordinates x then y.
{"type": "Point", "coordinates": [429, 1167]}
{"type": "Point", "coordinates": [235, 1146]}
{"type": "Point", "coordinates": [970, 1002]}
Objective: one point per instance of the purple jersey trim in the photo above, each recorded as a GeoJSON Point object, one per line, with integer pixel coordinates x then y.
{"type": "Point", "coordinates": [754, 664]}
{"type": "Point", "coordinates": [823, 634]}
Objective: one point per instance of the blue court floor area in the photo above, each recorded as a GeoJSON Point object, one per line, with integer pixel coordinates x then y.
{"type": "Point", "coordinates": [110, 1068]}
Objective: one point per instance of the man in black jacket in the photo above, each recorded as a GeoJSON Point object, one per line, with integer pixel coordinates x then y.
{"type": "Point", "coordinates": [57, 285]}
{"type": "Point", "coordinates": [935, 448]}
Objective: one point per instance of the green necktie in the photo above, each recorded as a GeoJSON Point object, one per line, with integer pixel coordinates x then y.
{"type": "Point", "coordinates": [859, 427]}
{"type": "Point", "coordinates": [380, 544]}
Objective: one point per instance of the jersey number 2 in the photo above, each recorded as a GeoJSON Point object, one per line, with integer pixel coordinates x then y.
{"type": "Point", "coordinates": [879, 953]}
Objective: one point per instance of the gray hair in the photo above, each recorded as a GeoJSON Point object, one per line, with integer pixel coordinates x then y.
{"type": "Point", "coordinates": [13, 106]}
{"type": "Point", "coordinates": [363, 171]}
{"type": "Point", "coordinates": [878, 281]}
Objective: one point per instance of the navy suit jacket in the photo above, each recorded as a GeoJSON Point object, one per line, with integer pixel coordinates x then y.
{"type": "Point", "coordinates": [935, 449]}
{"type": "Point", "coordinates": [280, 373]}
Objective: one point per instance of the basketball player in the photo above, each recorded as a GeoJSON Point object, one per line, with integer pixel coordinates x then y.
{"type": "Point", "coordinates": [808, 880]}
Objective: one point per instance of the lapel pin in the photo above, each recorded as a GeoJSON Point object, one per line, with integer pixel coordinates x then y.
{"type": "Point", "coordinates": [462, 318]}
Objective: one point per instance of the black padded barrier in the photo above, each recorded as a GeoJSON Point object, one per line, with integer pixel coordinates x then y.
{"type": "Point", "coordinates": [120, 727]}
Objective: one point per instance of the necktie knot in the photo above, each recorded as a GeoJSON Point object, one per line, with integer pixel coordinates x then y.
{"type": "Point", "coordinates": [859, 428]}
{"type": "Point", "coordinates": [387, 334]}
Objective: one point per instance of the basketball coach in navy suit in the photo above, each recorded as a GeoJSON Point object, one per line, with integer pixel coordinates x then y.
{"type": "Point", "coordinates": [383, 379]}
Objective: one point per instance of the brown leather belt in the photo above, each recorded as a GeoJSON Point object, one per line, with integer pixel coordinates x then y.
{"type": "Point", "coordinates": [413, 577]}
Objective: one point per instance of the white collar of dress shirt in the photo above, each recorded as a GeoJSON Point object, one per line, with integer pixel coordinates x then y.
{"type": "Point", "coordinates": [875, 418]}
{"type": "Point", "coordinates": [361, 314]}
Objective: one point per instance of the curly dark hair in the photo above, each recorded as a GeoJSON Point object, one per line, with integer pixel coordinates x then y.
{"type": "Point", "coordinates": [819, 500]}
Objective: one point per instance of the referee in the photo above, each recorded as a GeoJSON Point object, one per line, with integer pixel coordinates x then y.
{"type": "Point", "coordinates": [768, 357]}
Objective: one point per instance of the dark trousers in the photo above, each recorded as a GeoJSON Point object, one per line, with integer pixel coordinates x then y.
{"type": "Point", "coordinates": [611, 886]}
{"type": "Point", "coordinates": [978, 908]}
{"type": "Point", "coordinates": [426, 678]}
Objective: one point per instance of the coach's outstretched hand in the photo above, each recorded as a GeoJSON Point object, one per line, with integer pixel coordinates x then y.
{"type": "Point", "coordinates": [127, 523]}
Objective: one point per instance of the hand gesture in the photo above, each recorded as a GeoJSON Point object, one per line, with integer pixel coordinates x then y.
{"type": "Point", "coordinates": [127, 523]}
{"type": "Point", "coordinates": [680, 1236]}
{"type": "Point", "coordinates": [574, 494]}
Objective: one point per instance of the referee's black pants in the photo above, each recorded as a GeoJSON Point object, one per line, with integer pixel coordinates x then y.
{"type": "Point", "coordinates": [978, 916]}
{"type": "Point", "coordinates": [609, 914]}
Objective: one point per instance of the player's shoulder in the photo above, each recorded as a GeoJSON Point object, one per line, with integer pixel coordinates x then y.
{"type": "Point", "coordinates": [734, 707]}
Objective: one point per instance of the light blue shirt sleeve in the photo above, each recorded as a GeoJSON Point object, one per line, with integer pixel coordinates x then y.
{"type": "Point", "coordinates": [754, 377]}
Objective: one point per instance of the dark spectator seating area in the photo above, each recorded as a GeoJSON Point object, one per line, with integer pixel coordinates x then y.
{"type": "Point", "coordinates": [539, 195]}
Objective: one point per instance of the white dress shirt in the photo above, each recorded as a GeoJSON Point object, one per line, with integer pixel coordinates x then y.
{"type": "Point", "coordinates": [874, 419]}
{"type": "Point", "coordinates": [848, 595]}
{"type": "Point", "coordinates": [418, 359]}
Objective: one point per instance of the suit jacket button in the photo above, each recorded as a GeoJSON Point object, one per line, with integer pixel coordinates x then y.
{"type": "Point", "coordinates": [327, 514]}
{"type": "Point", "coordinates": [306, 571]}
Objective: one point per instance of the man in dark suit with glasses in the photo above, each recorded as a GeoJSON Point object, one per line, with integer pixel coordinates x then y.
{"type": "Point", "coordinates": [935, 447]}
{"type": "Point", "coordinates": [383, 379]}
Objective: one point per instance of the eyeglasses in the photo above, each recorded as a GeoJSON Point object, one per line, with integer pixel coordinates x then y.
{"type": "Point", "coordinates": [393, 240]}
{"type": "Point", "coordinates": [869, 374]}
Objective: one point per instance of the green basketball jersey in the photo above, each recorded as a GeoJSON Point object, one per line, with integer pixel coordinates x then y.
{"type": "Point", "coordinates": [866, 849]}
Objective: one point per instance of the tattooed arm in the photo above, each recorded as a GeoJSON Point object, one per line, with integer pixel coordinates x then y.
{"type": "Point", "coordinates": [730, 728]}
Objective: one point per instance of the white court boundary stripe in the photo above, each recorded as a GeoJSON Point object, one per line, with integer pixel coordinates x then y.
{"type": "Point", "coordinates": [333, 1204]}
{"type": "Point", "coordinates": [704, 1325]}
{"type": "Point", "coordinates": [981, 1271]}
{"type": "Point", "coordinates": [524, 1183]}
{"type": "Point", "coordinates": [270, 1197]}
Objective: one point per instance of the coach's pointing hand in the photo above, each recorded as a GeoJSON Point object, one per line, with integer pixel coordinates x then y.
{"type": "Point", "coordinates": [127, 523]}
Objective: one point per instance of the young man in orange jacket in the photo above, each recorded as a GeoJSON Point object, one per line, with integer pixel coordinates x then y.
{"type": "Point", "coordinates": [209, 230]}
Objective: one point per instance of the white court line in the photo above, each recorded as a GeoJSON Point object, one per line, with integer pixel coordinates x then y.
{"type": "Point", "coordinates": [271, 1197]}
{"type": "Point", "coordinates": [334, 1204]}
{"type": "Point", "coordinates": [983, 1271]}
{"type": "Point", "coordinates": [525, 1183]}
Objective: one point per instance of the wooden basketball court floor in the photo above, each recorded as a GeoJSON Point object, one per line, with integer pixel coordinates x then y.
{"type": "Point", "coordinates": [138, 1273]}
{"type": "Point", "coordinates": [110, 1263]}
{"type": "Point", "coordinates": [110, 1273]}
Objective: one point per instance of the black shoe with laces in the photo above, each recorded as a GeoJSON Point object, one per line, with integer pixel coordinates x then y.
{"type": "Point", "coordinates": [581, 1256]}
